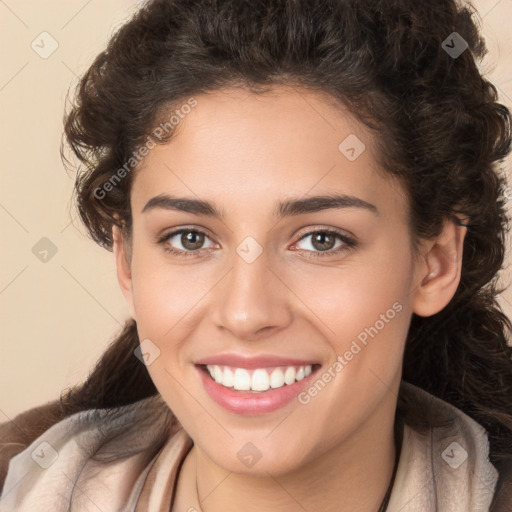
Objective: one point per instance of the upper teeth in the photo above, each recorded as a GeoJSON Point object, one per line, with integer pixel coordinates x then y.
{"type": "Point", "coordinates": [261, 378]}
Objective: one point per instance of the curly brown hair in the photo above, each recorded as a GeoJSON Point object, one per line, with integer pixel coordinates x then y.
{"type": "Point", "coordinates": [437, 121]}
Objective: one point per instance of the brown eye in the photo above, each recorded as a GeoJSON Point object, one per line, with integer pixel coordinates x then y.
{"type": "Point", "coordinates": [323, 241]}
{"type": "Point", "coordinates": [192, 240]}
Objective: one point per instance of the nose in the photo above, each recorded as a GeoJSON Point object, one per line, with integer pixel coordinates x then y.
{"type": "Point", "coordinates": [252, 301]}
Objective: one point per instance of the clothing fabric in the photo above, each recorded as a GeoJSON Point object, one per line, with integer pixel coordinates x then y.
{"type": "Point", "coordinates": [128, 459]}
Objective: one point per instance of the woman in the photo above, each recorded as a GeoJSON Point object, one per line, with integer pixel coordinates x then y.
{"type": "Point", "coordinates": [307, 219]}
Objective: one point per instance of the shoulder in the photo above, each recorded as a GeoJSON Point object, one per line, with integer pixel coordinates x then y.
{"type": "Point", "coordinates": [18, 433]}
{"type": "Point", "coordinates": [102, 452]}
{"type": "Point", "coordinates": [450, 450]}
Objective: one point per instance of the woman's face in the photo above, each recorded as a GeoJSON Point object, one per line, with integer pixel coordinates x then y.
{"type": "Point", "coordinates": [263, 288]}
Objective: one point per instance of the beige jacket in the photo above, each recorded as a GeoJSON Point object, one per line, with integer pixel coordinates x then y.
{"type": "Point", "coordinates": [128, 460]}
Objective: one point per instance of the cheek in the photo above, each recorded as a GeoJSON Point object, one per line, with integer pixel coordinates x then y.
{"type": "Point", "coordinates": [167, 300]}
{"type": "Point", "coordinates": [364, 317]}
{"type": "Point", "coordinates": [165, 294]}
{"type": "Point", "coordinates": [171, 305]}
{"type": "Point", "coordinates": [370, 288]}
{"type": "Point", "coordinates": [363, 311]}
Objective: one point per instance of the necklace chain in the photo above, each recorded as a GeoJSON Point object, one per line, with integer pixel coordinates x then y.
{"type": "Point", "coordinates": [398, 442]}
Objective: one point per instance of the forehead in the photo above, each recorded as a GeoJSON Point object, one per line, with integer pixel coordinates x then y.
{"type": "Point", "coordinates": [286, 142]}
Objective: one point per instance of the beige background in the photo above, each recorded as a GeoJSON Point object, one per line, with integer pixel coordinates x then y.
{"type": "Point", "coordinates": [58, 316]}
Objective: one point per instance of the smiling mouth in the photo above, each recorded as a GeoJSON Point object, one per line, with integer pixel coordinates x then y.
{"type": "Point", "coordinates": [258, 380]}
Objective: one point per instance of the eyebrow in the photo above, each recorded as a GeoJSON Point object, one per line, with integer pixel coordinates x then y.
{"type": "Point", "coordinates": [286, 208]}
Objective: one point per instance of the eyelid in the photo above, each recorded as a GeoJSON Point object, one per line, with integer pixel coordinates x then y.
{"type": "Point", "coordinates": [168, 233]}
{"type": "Point", "coordinates": [314, 229]}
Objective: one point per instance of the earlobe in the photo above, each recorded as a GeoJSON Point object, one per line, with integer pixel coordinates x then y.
{"type": "Point", "coordinates": [123, 269]}
{"type": "Point", "coordinates": [439, 270]}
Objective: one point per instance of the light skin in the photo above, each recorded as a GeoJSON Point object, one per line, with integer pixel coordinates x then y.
{"type": "Point", "coordinates": [245, 153]}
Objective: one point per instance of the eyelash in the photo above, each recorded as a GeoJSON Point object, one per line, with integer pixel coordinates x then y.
{"type": "Point", "coordinates": [348, 243]}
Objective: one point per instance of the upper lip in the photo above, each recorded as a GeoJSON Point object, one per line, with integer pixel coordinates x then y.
{"type": "Point", "coordinates": [261, 361]}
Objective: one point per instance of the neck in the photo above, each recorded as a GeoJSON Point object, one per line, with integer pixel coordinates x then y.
{"type": "Point", "coordinates": [353, 475]}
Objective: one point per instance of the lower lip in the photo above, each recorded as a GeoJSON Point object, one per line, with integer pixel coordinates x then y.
{"type": "Point", "coordinates": [253, 403]}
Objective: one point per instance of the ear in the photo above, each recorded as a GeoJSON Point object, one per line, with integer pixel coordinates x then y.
{"type": "Point", "coordinates": [124, 275]}
{"type": "Point", "coordinates": [439, 269]}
